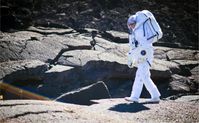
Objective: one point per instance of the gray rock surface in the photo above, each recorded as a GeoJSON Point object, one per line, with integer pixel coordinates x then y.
{"type": "Point", "coordinates": [106, 110]}
{"type": "Point", "coordinates": [176, 54]}
{"type": "Point", "coordinates": [84, 95]}
{"type": "Point", "coordinates": [188, 98]}
{"type": "Point", "coordinates": [74, 44]}
{"type": "Point", "coordinates": [180, 83]}
{"type": "Point", "coordinates": [76, 68]}
{"type": "Point", "coordinates": [195, 72]}
{"type": "Point", "coordinates": [22, 70]}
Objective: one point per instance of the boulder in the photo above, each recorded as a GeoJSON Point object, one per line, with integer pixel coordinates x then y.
{"type": "Point", "coordinates": [34, 45]}
{"type": "Point", "coordinates": [188, 98]}
{"type": "Point", "coordinates": [194, 73]}
{"type": "Point", "coordinates": [24, 74]}
{"type": "Point", "coordinates": [115, 36]}
{"type": "Point", "coordinates": [85, 94]}
{"type": "Point", "coordinates": [22, 70]}
{"type": "Point", "coordinates": [180, 84]}
{"type": "Point", "coordinates": [181, 54]}
{"type": "Point", "coordinates": [161, 52]}
{"type": "Point", "coordinates": [12, 46]}
{"type": "Point", "coordinates": [162, 70]}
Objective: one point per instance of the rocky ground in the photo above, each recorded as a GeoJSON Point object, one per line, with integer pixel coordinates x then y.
{"type": "Point", "coordinates": [62, 65]}
{"type": "Point", "coordinates": [48, 63]}
{"type": "Point", "coordinates": [103, 111]}
{"type": "Point", "coordinates": [49, 50]}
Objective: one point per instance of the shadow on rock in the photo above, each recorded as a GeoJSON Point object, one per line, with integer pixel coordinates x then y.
{"type": "Point", "coordinates": [83, 96]}
{"type": "Point", "coordinates": [132, 107]}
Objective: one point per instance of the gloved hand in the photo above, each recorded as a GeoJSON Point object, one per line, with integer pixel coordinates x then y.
{"type": "Point", "coordinates": [141, 60]}
{"type": "Point", "coordinates": [130, 64]}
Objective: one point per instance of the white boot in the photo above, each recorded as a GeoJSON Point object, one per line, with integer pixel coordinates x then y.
{"type": "Point", "coordinates": [154, 100]}
{"type": "Point", "coordinates": [132, 99]}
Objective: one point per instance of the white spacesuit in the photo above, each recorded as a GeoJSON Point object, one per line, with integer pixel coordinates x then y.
{"type": "Point", "coordinates": [141, 55]}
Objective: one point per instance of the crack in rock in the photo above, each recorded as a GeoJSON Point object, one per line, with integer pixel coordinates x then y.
{"type": "Point", "coordinates": [69, 48]}
{"type": "Point", "coordinates": [12, 105]}
{"type": "Point", "coordinates": [29, 113]}
{"type": "Point", "coordinates": [49, 33]}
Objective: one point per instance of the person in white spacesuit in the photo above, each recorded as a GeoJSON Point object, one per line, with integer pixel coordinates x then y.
{"type": "Point", "coordinates": [141, 49]}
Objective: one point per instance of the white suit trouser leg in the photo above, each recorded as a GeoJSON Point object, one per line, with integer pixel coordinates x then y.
{"type": "Point", "coordinates": [143, 78]}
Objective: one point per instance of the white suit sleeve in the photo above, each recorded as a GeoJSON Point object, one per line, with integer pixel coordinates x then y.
{"type": "Point", "coordinates": [131, 41]}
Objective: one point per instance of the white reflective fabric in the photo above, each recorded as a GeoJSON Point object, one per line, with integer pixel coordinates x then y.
{"type": "Point", "coordinates": [143, 78]}
{"type": "Point", "coordinates": [143, 62]}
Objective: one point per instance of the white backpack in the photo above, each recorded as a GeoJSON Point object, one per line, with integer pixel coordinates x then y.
{"type": "Point", "coordinates": [149, 22]}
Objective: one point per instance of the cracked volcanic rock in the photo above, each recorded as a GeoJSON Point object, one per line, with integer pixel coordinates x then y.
{"type": "Point", "coordinates": [73, 63]}
{"type": "Point", "coordinates": [106, 110]}
{"type": "Point", "coordinates": [72, 45]}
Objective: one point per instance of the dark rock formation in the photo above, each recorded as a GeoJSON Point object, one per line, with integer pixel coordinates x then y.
{"type": "Point", "coordinates": [16, 14]}
{"type": "Point", "coordinates": [178, 19]}
{"type": "Point", "coordinates": [83, 96]}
